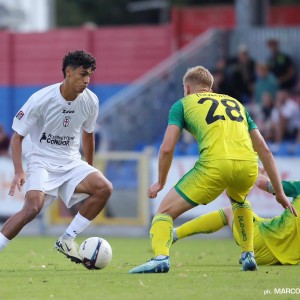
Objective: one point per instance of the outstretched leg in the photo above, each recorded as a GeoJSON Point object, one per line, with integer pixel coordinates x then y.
{"type": "Point", "coordinates": [34, 202]}
{"type": "Point", "coordinates": [205, 224]}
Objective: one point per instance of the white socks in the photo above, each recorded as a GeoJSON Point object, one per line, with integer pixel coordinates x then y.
{"type": "Point", "coordinates": [160, 256]}
{"type": "Point", "coordinates": [175, 234]}
{"type": "Point", "coordinates": [78, 224]}
{"type": "Point", "coordinates": [3, 241]}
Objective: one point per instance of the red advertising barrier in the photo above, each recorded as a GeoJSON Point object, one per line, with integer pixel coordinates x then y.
{"type": "Point", "coordinates": [123, 53]}
{"type": "Point", "coordinates": [191, 21]}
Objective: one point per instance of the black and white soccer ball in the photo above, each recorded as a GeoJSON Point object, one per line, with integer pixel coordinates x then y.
{"type": "Point", "coordinates": [96, 253]}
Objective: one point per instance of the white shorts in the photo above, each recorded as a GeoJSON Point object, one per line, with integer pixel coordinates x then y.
{"type": "Point", "coordinates": [58, 180]}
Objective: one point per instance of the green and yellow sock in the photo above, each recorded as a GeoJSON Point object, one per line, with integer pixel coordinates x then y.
{"type": "Point", "coordinates": [161, 234]}
{"type": "Point", "coordinates": [208, 223]}
{"type": "Point", "coordinates": [243, 220]}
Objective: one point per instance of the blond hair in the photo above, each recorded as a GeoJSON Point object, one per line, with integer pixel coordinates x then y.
{"type": "Point", "coordinates": [198, 76]}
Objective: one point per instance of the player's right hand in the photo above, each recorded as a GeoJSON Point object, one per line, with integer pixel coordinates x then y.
{"type": "Point", "coordinates": [282, 199]}
{"type": "Point", "coordinates": [154, 189]}
{"type": "Point", "coordinates": [18, 181]}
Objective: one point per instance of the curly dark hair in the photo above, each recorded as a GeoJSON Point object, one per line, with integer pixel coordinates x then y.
{"type": "Point", "coordinates": [77, 59]}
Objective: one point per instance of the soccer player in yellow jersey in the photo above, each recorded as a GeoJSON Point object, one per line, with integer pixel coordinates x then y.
{"type": "Point", "coordinates": [227, 140]}
{"type": "Point", "coordinates": [276, 240]}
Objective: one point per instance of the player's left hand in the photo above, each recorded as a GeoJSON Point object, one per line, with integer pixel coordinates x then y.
{"type": "Point", "coordinates": [154, 189]}
{"type": "Point", "coordinates": [282, 199]}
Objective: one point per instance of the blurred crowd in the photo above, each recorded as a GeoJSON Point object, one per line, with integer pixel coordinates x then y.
{"type": "Point", "coordinates": [270, 90]}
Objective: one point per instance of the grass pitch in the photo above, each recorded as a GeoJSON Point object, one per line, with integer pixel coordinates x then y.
{"type": "Point", "coordinates": [200, 269]}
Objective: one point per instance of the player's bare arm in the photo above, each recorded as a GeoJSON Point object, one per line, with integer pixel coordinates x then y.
{"type": "Point", "coordinates": [262, 180]}
{"type": "Point", "coordinates": [88, 146]}
{"type": "Point", "coordinates": [268, 161]}
{"type": "Point", "coordinates": [166, 152]}
{"type": "Point", "coordinates": [16, 151]}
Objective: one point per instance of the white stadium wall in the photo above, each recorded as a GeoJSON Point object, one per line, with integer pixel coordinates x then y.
{"type": "Point", "coordinates": [8, 205]}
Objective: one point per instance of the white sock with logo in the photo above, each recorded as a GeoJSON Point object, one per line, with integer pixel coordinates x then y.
{"type": "Point", "coordinates": [78, 224]}
{"type": "Point", "coordinates": [3, 241]}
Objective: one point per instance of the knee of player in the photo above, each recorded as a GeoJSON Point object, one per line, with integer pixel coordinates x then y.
{"type": "Point", "coordinates": [109, 188]}
{"type": "Point", "coordinates": [32, 211]}
{"type": "Point", "coordinates": [105, 188]}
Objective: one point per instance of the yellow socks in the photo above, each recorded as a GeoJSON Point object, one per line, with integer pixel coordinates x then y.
{"type": "Point", "coordinates": [243, 220]}
{"type": "Point", "coordinates": [161, 234]}
{"type": "Point", "coordinates": [208, 223]}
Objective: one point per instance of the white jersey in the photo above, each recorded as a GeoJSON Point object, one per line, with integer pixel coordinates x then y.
{"type": "Point", "coordinates": [54, 124]}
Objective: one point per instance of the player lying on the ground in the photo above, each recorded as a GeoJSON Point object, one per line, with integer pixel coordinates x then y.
{"type": "Point", "coordinates": [276, 240]}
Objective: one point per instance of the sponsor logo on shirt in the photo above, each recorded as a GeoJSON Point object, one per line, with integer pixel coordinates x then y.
{"type": "Point", "coordinates": [66, 121]}
{"type": "Point", "coordinates": [44, 137]}
{"type": "Point", "coordinates": [20, 115]}
{"type": "Point", "coordinates": [56, 139]}
{"type": "Point", "coordinates": [66, 111]}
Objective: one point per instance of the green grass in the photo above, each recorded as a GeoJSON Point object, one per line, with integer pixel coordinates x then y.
{"type": "Point", "coordinates": [200, 269]}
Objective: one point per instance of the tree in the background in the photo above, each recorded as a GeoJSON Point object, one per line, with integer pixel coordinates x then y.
{"type": "Point", "coordinates": [100, 12]}
{"type": "Point", "coordinates": [117, 12]}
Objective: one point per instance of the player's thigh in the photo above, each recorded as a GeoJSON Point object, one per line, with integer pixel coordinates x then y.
{"type": "Point", "coordinates": [92, 183]}
{"type": "Point", "coordinates": [173, 204]}
{"type": "Point", "coordinates": [242, 179]}
{"type": "Point", "coordinates": [202, 184]}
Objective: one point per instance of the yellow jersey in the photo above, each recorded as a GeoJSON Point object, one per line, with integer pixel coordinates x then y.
{"type": "Point", "coordinates": [219, 123]}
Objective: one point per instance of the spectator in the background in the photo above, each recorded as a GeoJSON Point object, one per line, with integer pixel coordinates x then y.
{"type": "Point", "coordinates": [242, 75]}
{"type": "Point", "coordinates": [265, 86]}
{"type": "Point", "coordinates": [281, 65]}
{"type": "Point", "coordinates": [265, 82]}
{"type": "Point", "coordinates": [4, 142]}
{"type": "Point", "coordinates": [285, 118]}
{"type": "Point", "coordinates": [221, 83]}
{"type": "Point", "coordinates": [265, 121]}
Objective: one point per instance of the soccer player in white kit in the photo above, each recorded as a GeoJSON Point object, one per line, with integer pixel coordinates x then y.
{"type": "Point", "coordinates": [56, 118]}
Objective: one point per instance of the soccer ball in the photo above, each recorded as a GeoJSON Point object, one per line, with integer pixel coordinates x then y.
{"type": "Point", "coordinates": [96, 253]}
